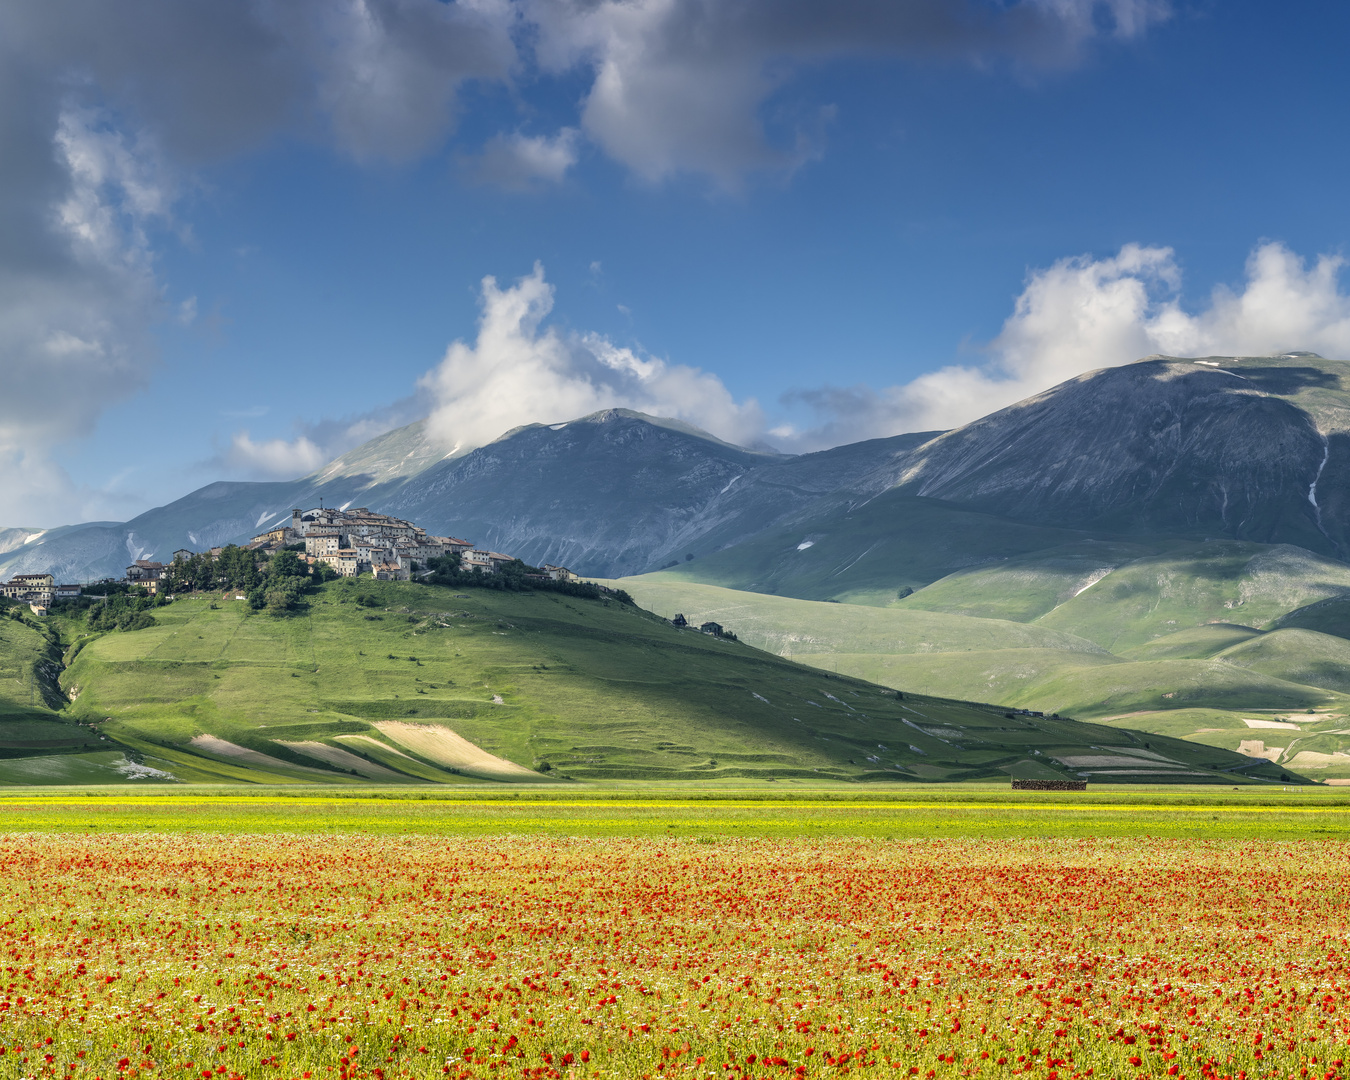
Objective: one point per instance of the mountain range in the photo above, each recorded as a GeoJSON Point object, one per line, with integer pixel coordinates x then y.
{"type": "Point", "coordinates": [1249, 448]}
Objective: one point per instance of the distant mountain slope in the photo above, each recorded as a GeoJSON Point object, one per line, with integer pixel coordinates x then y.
{"type": "Point", "coordinates": [612, 493]}
{"type": "Point", "coordinates": [1253, 448]}
{"type": "Point", "coordinates": [394, 456]}
{"type": "Point", "coordinates": [1249, 448]}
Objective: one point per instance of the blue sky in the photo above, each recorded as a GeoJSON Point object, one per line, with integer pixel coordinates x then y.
{"type": "Point", "coordinates": [237, 242]}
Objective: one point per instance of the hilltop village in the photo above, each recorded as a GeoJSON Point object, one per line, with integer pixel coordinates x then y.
{"type": "Point", "coordinates": [348, 542]}
{"type": "Point", "coordinates": [351, 542]}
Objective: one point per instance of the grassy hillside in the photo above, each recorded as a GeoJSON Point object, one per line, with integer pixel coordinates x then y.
{"type": "Point", "coordinates": [30, 662]}
{"type": "Point", "coordinates": [392, 682]}
{"type": "Point", "coordinates": [803, 628]}
{"type": "Point", "coordinates": [1122, 596]}
{"type": "Point", "coordinates": [868, 554]}
{"type": "Point", "coordinates": [1218, 683]}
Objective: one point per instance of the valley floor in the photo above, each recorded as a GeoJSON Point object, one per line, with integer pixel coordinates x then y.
{"type": "Point", "coordinates": [708, 813]}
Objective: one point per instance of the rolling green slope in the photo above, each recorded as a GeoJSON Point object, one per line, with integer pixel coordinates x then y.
{"type": "Point", "coordinates": [1196, 642]}
{"type": "Point", "coordinates": [1330, 616]}
{"type": "Point", "coordinates": [806, 628]}
{"type": "Point", "coordinates": [29, 665]}
{"type": "Point", "coordinates": [867, 554]}
{"type": "Point", "coordinates": [1299, 656]}
{"type": "Point", "coordinates": [1123, 596]}
{"type": "Point", "coordinates": [1216, 683]}
{"type": "Point", "coordinates": [417, 684]}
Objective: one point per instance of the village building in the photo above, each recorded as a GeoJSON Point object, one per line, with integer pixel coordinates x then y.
{"type": "Point", "coordinates": [323, 540]}
{"type": "Point", "coordinates": [344, 562]}
{"type": "Point", "coordinates": [35, 582]}
{"type": "Point", "coordinates": [351, 542]}
{"type": "Point", "coordinates": [487, 562]}
{"type": "Point", "coordinates": [143, 571]}
{"type": "Point", "coordinates": [280, 536]}
{"type": "Point", "coordinates": [37, 590]}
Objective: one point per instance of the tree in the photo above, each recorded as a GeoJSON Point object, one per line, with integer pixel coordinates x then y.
{"type": "Point", "coordinates": [286, 564]}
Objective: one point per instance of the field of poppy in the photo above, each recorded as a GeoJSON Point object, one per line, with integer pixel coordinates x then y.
{"type": "Point", "coordinates": [343, 956]}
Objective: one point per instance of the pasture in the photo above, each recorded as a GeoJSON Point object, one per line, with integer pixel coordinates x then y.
{"type": "Point", "coordinates": [710, 813]}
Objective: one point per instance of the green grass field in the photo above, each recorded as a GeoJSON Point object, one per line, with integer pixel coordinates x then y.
{"type": "Point", "coordinates": [394, 683]}
{"type": "Point", "coordinates": [1218, 643]}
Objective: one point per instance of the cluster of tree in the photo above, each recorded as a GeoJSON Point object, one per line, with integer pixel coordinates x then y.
{"type": "Point", "coordinates": [122, 611]}
{"type": "Point", "coordinates": [234, 568]}
{"type": "Point", "coordinates": [515, 576]}
{"type": "Point", "coordinates": [275, 584]}
{"type": "Point", "coordinates": [283, 580]}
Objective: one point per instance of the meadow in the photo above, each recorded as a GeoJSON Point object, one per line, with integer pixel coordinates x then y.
{"type": "Point", "coordinates": [565, 953]}
{"type": "Point", "coordinates": [399, 683]}
{"type": "Point", "coordinates": [708, 813]}
{"type": "Point", "coordinates": [1221, 643]}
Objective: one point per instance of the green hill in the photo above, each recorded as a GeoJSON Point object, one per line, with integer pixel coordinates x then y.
{"type": "Point", "coordinates": [30, 699]}
{"type": "Point", "coordinates": [1214, 682]}
{"type": "Point", "coordinates": [398, 683]}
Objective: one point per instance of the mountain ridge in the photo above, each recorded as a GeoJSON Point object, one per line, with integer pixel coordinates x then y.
{"type": "Point", "coordinates": [1251, 448]}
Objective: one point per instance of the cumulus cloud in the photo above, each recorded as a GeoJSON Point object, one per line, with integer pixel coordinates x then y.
{"type": "Point", "coordinates": [678, 85]}
{"type": "Point", "coordinates": [273, 458]}
{"type": "Point", "coordinates": [313, 444]}
{"type": "Point", "coordinates": [518, 372]}
{"type": "Point", "coordinates": [1081, 314]}
{"type": "Point", "coordinates": [1076, 315]}
{"type": "Point", "coordinates": [519, 161]}
{"type": "Point", "coordinates": [77, 296]}
{"type": "Point", "coordinates": [106, 110]}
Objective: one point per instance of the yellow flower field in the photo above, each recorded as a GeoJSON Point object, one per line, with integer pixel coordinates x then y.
{"type": "Point", "coordinates": [349, 956]}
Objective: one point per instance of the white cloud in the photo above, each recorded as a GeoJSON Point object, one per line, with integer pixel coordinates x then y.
{"type": "Point", "coordinates": [679, 84]}
{"type": "Point", "coordinates": [386, 72]}
{"type": "Point", "coordinates": [276, 459]}
{"type": "Point", "coordinates": [1081, 314]}
{"type": "Point", "coordinates": [313, 444]}
{"type": "Point", "coordinates": [519, 372]}
{"type": "Point", "coordinates": [518, 161]}
{"type": "Point", "coordinates": [73, 324]}
{"type": "Point", "coordinates": [105, 110]}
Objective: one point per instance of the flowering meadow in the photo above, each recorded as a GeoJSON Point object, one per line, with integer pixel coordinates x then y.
{"type": "Point", "coordinates": [355, 956]}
